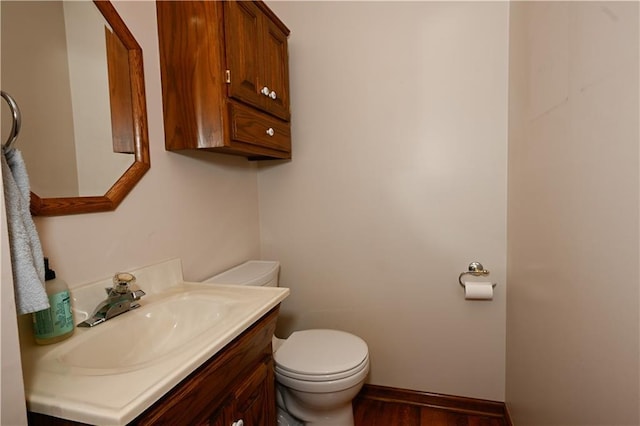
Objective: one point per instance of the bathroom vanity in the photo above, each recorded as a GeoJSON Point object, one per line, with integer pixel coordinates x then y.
{"type": "Point", "coordinates": [193, 353]}
{"type": "Point", "coordinates": [235, 384]}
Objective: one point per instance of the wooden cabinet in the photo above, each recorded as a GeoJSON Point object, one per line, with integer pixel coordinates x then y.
{"type": "Point", "coordinates": [252, 402]}
{"type": "Point", "coordinates": [225, 78]}
{"type": "Point", "coordinates": [237, 383]}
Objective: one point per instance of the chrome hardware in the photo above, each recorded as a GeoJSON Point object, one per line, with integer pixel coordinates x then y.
{"type": "Point", "coordinates": [120, 299]}
{"type": "Point", "coordinates": [265, 91]}
{"type": "Point", "coordinates": [238, 423]}
{"type": "Point", "coordinates": [476, 269]}
{"type": "Point", "coordinates": [122, 281]}
{"type": "Point", "coordinates": [16, 120]}
{"type": "Point", "coordinates": [270, 131]}
{"type": "Point", "coordinates": [273, 95]}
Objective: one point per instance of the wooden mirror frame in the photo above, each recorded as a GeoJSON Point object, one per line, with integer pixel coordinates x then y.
{"type": "Point", "coordinates": [126, 182]}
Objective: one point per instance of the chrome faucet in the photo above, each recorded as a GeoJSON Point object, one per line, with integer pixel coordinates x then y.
{"type": "Point", "coordinates": [120, 299]}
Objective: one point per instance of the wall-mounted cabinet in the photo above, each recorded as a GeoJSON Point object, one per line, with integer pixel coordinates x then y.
{"type": "Point", "coordinates": [225, 78]}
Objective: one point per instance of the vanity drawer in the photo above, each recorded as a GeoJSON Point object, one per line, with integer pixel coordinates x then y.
{"type": "Point", "coordinates": [252, 127]}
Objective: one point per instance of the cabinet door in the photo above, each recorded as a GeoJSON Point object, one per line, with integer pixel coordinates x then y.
{"type": "Point", "coordinates": [276, 69]}
{"type": "Point", "coordinates": [242, 25]}
{"type": "Point", "coordinates": [254, 400]}
{"type": "Point", "coordinates": [256, 53]}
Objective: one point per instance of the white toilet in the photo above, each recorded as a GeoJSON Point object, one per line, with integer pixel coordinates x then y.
{"type": "Point", "coordinates": [318, 372]}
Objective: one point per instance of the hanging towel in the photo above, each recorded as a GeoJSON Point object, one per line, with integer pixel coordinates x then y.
{"type": "Point", "coordinates": [27, 259]}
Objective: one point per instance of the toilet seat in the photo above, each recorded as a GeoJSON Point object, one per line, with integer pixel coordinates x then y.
{"type": "Point", "coordinates": [356, 378]}
{"type": "Point", "coordinates": [321, 355]}
{"type": "Point", "coordinates": [323, 377]}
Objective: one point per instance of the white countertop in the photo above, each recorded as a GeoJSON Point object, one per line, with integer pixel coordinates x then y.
{"type": "Point", "coordinates": [115, 398]}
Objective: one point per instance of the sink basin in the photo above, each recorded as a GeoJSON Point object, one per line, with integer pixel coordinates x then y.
{"type": "Point", "coordinates": [141, 336]}
{"type": "Point", "coordinates": [110, 373]}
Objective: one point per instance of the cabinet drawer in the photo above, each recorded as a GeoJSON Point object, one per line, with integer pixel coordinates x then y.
{"type": "Point", "coordinates": [252, 127]}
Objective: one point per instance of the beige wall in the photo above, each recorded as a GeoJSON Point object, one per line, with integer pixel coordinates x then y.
{"type": "Point", "coordinates": [39, 82]}
{"type": "Point", "coordinates": [398, 181]}
{"type": "Point", "coordinates": [573, 305]}
{"type": "Point", "coordinates": [12, 404]}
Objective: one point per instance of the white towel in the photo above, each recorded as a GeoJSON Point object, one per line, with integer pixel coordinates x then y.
{"type": "Point", "coordinates": [27, 259]}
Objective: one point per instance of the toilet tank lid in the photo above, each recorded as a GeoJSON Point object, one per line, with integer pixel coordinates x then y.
{"type": "Point", "coordinates": [251, 272]}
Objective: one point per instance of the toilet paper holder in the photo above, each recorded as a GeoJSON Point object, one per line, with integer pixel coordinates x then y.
{"type": "Point", "coordinates": [476, 269]}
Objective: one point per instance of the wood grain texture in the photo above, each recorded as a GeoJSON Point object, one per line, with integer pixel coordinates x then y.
{"type": "Point", "coordinates": [275, 71]}
{"type": "Point", "coordinates": [254, 400]}
{"type": "Point", "coordinates": [199, 42]}
{"type": "Point", "coordinates": [382, 413]}
{"type": "Point", "coordinates": [256, 53]}
{"type": "Point", "coordinates": [249, 126]}
{"type": "Point", "coordinates": [379, 405]}
{"type": "Point", "coordinates": [192, 70]}
{"type": "Point", "coordinates": [119, 94]}
{"type": "Point", "coordinates": [243, 42]}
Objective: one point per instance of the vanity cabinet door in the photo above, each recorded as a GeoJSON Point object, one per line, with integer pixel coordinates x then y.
{"type": "Point", "coordinates": [254, 400]}
{"type": "Point", "coordinates": [218, 419]}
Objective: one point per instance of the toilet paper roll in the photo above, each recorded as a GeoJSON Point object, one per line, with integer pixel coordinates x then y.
{"type": "Point", "coordinates": [478, 290]}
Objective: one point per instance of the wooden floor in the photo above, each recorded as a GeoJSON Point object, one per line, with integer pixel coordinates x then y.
{"type": "Point", "coordinates": [373, 409]}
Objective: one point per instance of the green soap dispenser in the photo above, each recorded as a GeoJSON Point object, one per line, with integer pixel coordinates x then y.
{"type": "Point", "coordinates": [56, 323]}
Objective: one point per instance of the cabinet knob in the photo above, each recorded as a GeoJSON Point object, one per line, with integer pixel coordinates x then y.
{"type": "Point", "coordinates": [270, 131]}
{"type": "Point", "coordinates": [273, 95]}
{"type": "Point", "coordinates": [265, 91]}
{"type": "Point", "coordinates": [238, 423]}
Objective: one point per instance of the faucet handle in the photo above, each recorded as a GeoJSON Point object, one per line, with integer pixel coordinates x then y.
{"type": "Point", "coordinates": [122, 281]}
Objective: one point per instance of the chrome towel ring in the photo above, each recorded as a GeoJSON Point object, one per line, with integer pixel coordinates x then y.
{"type": "Point", "coordinates": [16, 120]}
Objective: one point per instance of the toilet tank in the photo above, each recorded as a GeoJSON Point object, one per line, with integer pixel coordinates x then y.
{"type": "Point", "coordinates": [252, 272]}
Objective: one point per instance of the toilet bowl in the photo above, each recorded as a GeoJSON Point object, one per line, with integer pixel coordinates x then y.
{"type": "Point", "coordinates": [318, 372]}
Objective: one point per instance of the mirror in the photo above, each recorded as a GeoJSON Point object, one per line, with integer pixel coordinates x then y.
{"type": "Point", "coordinates": [75, 71]}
